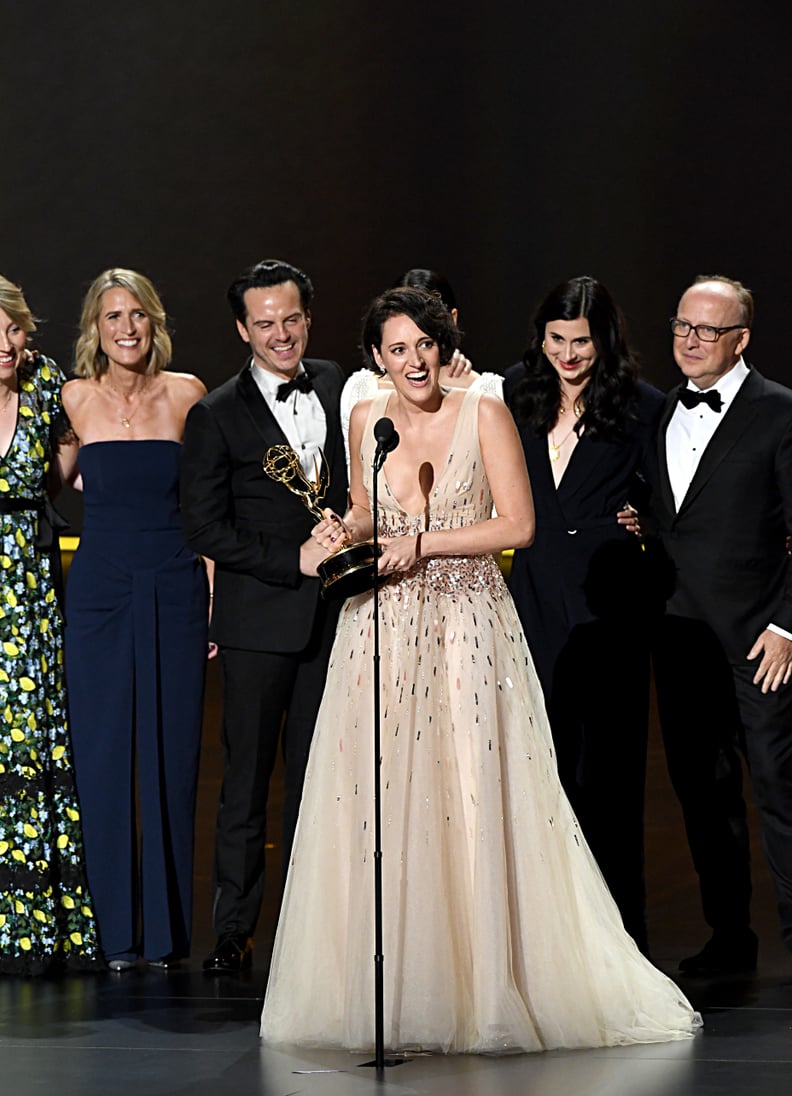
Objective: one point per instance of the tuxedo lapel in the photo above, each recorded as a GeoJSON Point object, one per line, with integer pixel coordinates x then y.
{"type": "Point", "coordinates": [262, 419]}
{"type": "Point", "coordinates": [543, 484]}
{"type": "Point", "coordinates": [586, 460]}
{"type": "Point", "coordinates": [583, 462]}
{"type": "Point", "coordinates": [663, 481]}
{"type": "Point", "coordinates": [736, 421]}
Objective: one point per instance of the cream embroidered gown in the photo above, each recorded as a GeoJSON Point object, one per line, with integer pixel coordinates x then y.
{"type": "Point", "coordinates": [499, 932]}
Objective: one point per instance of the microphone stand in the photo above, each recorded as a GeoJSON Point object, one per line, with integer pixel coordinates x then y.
{"type": "Point", "coordinates": [380, 1060]}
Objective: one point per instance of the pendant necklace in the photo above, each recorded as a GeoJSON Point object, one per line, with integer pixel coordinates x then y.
{"type": "Point", "coordinates": [555, 450]}
{"type": "Point", "coordinates": [126, 420]}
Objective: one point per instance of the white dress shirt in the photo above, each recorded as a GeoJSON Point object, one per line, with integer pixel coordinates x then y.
{"type": "Point", "coordinates": [301, 417]}
{"type": "Point", "coordinates": [690, 431]}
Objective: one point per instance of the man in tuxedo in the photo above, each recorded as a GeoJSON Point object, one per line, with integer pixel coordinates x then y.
{"type": "Point", "coordinates": [723, 659]}
{"type": "Point", "coordinates": [273, 630]}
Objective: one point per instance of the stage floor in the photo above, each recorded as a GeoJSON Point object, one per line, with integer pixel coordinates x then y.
{"type": "Point", "coordinates": [149, 1033]}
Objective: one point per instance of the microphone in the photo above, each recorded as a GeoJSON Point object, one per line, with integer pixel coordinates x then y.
{"type": "Point", "coordinates": [387, 439]}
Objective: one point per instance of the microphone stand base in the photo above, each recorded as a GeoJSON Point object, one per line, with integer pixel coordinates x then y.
{"type": "Point", "coordinates": [385, 1062]}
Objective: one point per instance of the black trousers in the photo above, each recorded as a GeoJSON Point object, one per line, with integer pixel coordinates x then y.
{"type": "Point", "coordinates": [269, 699]}
{"type": "Point", "coordinates": [711, 713]}
{"type": "Point", "coordinates": [598, 705]}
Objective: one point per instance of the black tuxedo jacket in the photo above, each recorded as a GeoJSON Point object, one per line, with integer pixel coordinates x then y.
{"type": "Point", "coordinates": [251, 526]}
{"type": "Point", "coordinates": [728, 540]}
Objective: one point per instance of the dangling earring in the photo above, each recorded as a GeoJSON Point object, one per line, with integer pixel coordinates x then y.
{"type": "Point", "coordinates": [543, 346]}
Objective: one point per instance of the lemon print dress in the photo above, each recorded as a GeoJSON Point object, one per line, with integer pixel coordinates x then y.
{"type": "Point", "coordinates": [46, 919]}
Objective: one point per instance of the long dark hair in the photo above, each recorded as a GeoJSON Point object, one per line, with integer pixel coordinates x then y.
{"type": "Point", "coordinates": [610, 395]}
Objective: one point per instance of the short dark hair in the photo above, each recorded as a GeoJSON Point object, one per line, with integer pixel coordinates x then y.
{"type": "Point", "coordinates": [430, 280]}
{"type": "Point", "coordinates": [427, 312]}
{"type": "Point", "coordinates": [266, 273]}
{"type": "Point", "coordinates": [742, 292]}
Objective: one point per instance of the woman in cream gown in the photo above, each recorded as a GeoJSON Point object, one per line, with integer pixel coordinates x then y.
{"type": "Point", "coordinates": [457, 372]}
{"type": "Point", "coordinates": [499, 932]}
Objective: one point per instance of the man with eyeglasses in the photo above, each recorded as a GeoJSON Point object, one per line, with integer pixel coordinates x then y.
{"type": "Point", "coordinates": [723, 657]}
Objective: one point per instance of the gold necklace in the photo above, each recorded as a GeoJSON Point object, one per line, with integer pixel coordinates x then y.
{"type": "Point", "coordinates": [126, 420]}
{"type": "Point", "coordinates": [555, 450]}
{"type": "Point", "coordinates": [577, 408]}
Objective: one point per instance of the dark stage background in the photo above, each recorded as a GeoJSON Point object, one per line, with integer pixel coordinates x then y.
{"type": "Point", "coordinates": [509, 145]}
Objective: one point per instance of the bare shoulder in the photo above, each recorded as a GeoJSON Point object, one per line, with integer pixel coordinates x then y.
{"type": "Point", "coordinates": [76, 393]}
{"type": "Point", "coordinates": [70, 390]}
{"type": "Point", "coordinates": [493, 413]}
{"type": "Point", "coordinates": [182, 391]}
{"type": "Point", "coordinates": [74, 388]}
{"type": "Point", "coordinates": [185, 385]}
{"type": "Point", "coordinates": [496, 427]}
{"type": "Point", "coordinates": [360, 412]}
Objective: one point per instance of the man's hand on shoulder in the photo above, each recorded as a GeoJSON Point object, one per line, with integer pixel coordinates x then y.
{"type": "Point", "coordinates": [775, 668]}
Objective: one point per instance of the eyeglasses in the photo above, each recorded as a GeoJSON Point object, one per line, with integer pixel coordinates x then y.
{"type": "Point", "coordinates": [703, 331]}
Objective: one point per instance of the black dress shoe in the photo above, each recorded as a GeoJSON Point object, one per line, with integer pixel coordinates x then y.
{"type": "Point", "coordinates": [724, 954]}
{"type": "Point", "coordinates": [232, 955]}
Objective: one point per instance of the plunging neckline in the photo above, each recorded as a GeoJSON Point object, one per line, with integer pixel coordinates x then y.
{"type": "Point", "coordinates": [14, 432]}
{"type": "Point", "coordinates": [446, 465]}
{"type": "Point", "coordinates": [549, 462]}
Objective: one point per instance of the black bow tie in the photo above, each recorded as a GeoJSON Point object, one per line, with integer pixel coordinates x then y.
{"type": "Point", "coordinates": [690, 399]}
{"type": "Point", "coordinates": [300, 382]}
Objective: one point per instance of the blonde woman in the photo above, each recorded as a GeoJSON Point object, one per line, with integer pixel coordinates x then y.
{"type": "Point", "coordinates": [46, 918]}
{"type": "Point", "coordinates": [137, 624]}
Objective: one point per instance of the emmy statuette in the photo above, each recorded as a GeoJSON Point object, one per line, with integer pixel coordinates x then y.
{"type": "Point", "coordinates": [350, 569]}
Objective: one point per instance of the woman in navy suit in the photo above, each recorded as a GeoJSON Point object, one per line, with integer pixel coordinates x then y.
{"type": "Point", "coordinates": [583, 588]}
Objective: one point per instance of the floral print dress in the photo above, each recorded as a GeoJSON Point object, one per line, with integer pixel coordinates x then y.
{"type": "Point", "coordinates": [46, 919]}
